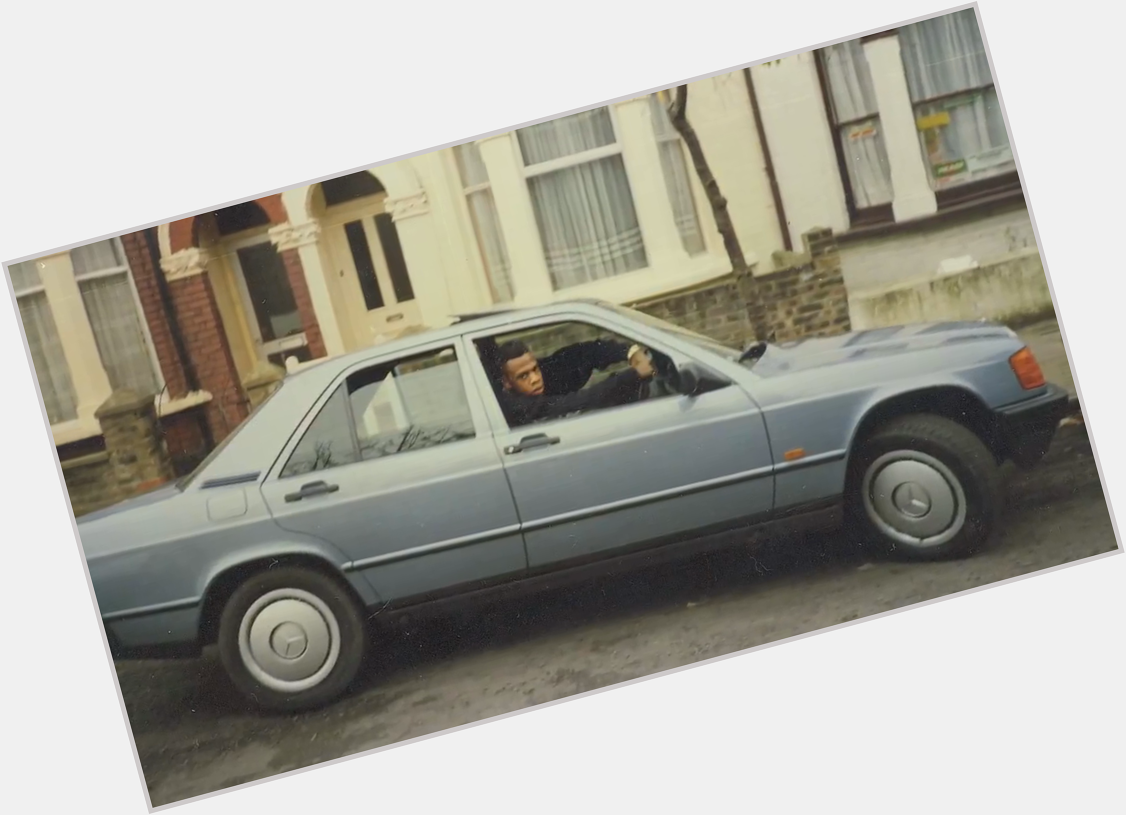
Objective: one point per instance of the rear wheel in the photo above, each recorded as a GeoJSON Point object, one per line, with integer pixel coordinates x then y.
{"type": "Point", "coordinates": [924, 488]}
{"type": "Point", "coordinates": [291, 639]}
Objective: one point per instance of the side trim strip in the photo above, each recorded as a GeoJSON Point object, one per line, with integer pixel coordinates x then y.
{"type": "Point", "coordinates": [158, 608]}
{"type": "Point", "coordinates": [592, 512]}
{"type": "Point", "coordinates": [650, 498]}
{"type": "Point", "coordinates": [811, 461]}
{"type": "Point", "coordinates": [431, 548]}
{"type": "Point", "coordinates": [230, 480]}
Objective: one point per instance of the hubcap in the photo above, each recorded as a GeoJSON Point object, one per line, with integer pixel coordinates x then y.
{"type": "Point", "coordinates": [289, 640]}
{"type": "Point", "coordinates": [914, 498]}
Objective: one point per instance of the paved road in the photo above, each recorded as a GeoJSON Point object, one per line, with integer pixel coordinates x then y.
{"type": "Point", "coordinates": [194, 736]}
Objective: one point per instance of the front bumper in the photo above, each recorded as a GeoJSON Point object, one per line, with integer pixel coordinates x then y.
{"type": "Point", "coordinates": [1027, 428]}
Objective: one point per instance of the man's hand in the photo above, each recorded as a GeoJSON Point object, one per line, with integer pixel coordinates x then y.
{"type": "Point", "coordinates": [640, 362]}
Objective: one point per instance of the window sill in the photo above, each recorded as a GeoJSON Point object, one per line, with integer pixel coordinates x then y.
{"type": "Point", "coordinates": [75, 430]}
{"type": "Point", "coordinates": [650, 283]}
{"type": "Point", "coordinates": [82, 429]}
{"type": "Point", "coordinates": [953, 212]}
{"type": "Point", "coordinates": [168, 407]}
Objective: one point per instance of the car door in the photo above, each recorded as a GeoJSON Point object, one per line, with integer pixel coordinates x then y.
{"type": "Point", "coordinates": [395, 466]}
{"type": "Point", "coordinates": [616, 478]}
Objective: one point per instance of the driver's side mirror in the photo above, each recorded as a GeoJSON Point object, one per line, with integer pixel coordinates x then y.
{"type": "Point", "coordinates": [693, 380]}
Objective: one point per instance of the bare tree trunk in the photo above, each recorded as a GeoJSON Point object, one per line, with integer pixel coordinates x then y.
{"type": "Point", "coordinates": [678, 114]}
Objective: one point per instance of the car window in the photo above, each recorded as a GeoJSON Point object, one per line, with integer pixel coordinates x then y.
{"type": "Point", "coordinates": [567, 369]}
{"type": "Point", "coordinates": [409, 404]}
{"type": "Point", "coordinates": [699, 340]}
{"type": "Point", "coordinates": [329, 441]}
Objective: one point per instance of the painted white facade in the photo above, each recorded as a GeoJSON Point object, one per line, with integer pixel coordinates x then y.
{"type": "Point", "coordinates": [446, 257]}
{"type": "Point", "coordinates": [800, 131]}
{"type": "Point", "coordinates": [439, 237]}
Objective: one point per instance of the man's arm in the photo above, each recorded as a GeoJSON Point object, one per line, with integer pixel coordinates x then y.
{"type": "Point", "coordinates": [570, 368]}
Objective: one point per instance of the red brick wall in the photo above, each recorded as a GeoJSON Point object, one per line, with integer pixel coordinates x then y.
{"type": "Point", "coordinates": [207, 344]}
{"type": "Point", "coordinates": [140, 262]}
{"type": "Point", "coordinates": [292, 260]}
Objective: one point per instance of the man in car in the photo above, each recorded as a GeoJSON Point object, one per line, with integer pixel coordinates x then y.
{"type": "Point", "coordinates": [534, 390]}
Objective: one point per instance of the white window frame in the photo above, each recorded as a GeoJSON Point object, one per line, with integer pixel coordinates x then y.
{"type": "Point", "coordinates": [663, 98]}
{"type": "Point", "coordinates": [263, 349]}
{"type": "Point", "coordinates": [531, 171]}
{"type": "Point", "coordinates": [453, 167]}
{"type": "Point", "coordinates": [125, 269]}
{"type": "Point", "coordinates": [31, 291]}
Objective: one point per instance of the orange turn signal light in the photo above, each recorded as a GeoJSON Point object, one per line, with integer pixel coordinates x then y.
{"type": "Point", "coordinates": [1027, 369]}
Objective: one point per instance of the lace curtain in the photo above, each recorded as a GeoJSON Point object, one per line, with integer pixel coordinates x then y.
{"type": "Point", "coordinates": [43, 341]}
{"type": "Point", "coordinates": [486, 222]}
{"type": "Point", "coordinates": [584, 209]}
{"type": "Point", "coordinates": [855, 112]}
{"type": "Point", "coordinates": [107, 293]}
{"type": "Point", "coordinates": [962, 133]}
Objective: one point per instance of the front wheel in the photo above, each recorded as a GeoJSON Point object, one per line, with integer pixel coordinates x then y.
{"type": "Point", "coordinates": [291, 639]}
{"type": "Point", "coordinates": [924, 488]}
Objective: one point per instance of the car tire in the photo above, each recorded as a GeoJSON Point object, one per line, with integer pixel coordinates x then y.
{"type": "Point", "coordinates": [291, 639]}
{"type": "Point", "coordinates": [924, 487]}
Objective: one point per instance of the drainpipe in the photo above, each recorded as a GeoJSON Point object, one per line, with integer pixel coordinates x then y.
{"type": "Point", "coordinates": [775, 191]}
{"type": "Point", "coordinates": [191, 377]}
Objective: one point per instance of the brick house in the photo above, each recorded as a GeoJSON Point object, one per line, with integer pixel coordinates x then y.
{"type": "Point", "coordinates": [886, 167]}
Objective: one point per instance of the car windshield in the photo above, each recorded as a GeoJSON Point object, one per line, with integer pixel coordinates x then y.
{"type": "Point", "coordinates": [188, 479]}
{"type": "Point", "coordinates": [699, 340]}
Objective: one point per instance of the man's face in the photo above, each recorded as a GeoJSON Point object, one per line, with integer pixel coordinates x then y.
{"type": "Point", "coordinates": [523, 376]}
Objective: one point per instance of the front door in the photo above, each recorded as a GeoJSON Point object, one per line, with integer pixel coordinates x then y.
{"type": "Point", "coordinates": [368, 258]}
{"type": "Point", "coordinates": [268, 299]}
{"type": "Point", "coordinates": [607, 480]}
{"type": "Point", "coordinates": [396, 468]}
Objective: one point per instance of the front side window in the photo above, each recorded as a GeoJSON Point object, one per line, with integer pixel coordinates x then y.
{"type": "Point", "coordinates": [411, 404]}
{"type": "Point", "coordinates": [565, 369]}
{"type": "Point", "coordinates": [582, 199]}
{"type": "Point", "coordinates": [856, 122]}
{"type": "Point", "coordinates": [43, 341]}
{"type": "Point", "coordinates": [106, 284]}
{"type": "Point", "coordinates": [961, 130]}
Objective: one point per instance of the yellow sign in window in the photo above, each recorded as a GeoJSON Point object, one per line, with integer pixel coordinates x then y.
{"type": "Point", "coordinates": [940, 119]}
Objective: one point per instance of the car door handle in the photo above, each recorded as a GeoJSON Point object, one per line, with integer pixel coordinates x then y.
{"type": "Point", "coordinates": [311, 489]}
{"type": "Point", "coordinates": [531, 443]}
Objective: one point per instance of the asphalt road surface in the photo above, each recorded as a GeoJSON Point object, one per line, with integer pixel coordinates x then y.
{"type": "Point", "coordinates": [194, 735]}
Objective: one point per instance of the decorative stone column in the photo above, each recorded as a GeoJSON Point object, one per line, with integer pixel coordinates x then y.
{"type": "Point", "coordinates": [297, 243]}
{"type": "Point", "coordinates": [910, 180]}
{"type": "Point", "coordinates": [138, 458]}
{"type": "Point", "coordinates": [206, 339]}
{"type": "Point", "coordinates": [415, 225]}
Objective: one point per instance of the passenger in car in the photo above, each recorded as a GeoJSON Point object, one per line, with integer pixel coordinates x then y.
{"type": "Point", "coordinates": [534, 390]}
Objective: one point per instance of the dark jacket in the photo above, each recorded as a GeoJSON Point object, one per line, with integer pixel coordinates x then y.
{"type": "Point", "coordinates": [564, 374]}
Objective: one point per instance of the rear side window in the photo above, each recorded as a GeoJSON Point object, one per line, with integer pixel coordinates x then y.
{"type": "Point", "coordinates": [410, 404]}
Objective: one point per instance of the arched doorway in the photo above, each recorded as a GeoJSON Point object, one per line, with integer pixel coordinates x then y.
{"type": "Point", "coordinates": [238, 237]}
{"type": "Point", "coordinates": [362, 249]}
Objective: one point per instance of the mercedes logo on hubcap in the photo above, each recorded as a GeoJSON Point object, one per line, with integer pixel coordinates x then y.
{"type": "Point", "coordinates": [912, 500]}
{"type": "Point", "coordinates": [289, 641]}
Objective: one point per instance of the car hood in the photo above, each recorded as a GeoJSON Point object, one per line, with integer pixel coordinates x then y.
{"type": "Point", "coordinates": [155, 496]}
{"type": "Point", "coordinates": [818, 352]}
